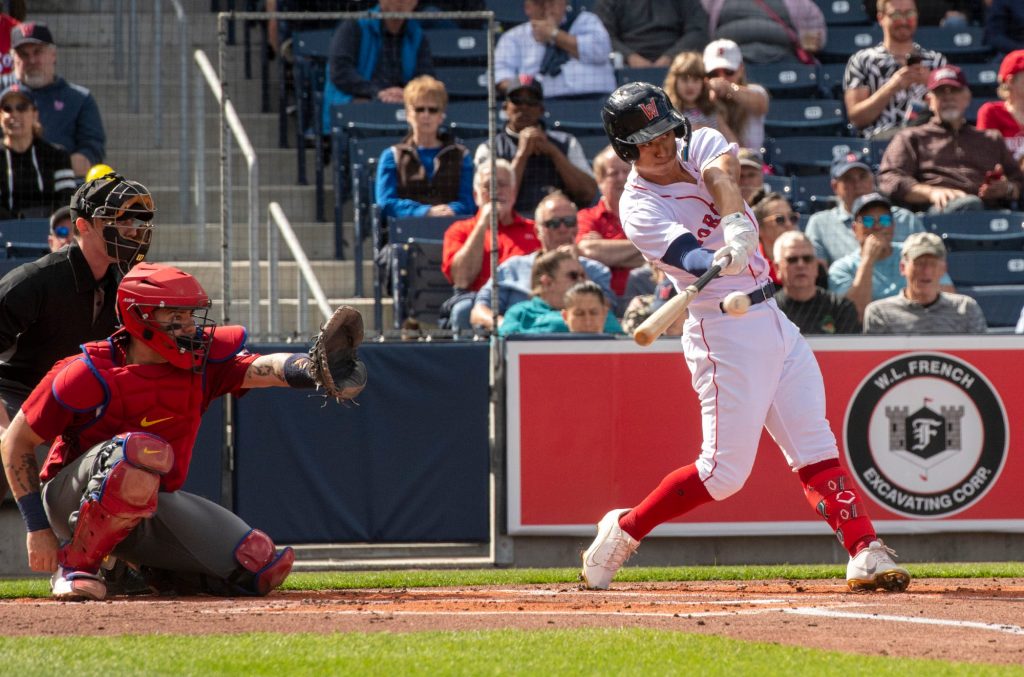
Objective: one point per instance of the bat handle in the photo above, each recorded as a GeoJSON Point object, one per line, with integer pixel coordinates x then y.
{"type": "Point", "coordinates": [710, 274]}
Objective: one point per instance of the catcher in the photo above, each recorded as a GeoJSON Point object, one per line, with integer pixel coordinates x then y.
{"type": "Point", "coordinates": [124, 414]}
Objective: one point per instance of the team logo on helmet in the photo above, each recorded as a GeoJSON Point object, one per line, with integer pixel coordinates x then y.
{"type": "Point", "coordinates": [650, 109]}
{"type": "Point", "coordinates": [926, 435]}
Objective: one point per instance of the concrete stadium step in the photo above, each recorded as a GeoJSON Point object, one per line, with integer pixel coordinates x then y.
{"type": "Point", "coordinates": [261, 128]}
{"type": "Point", "coordinates": [112, 95]}
{"type": "Point", "coordinates": [355, 556]}
{"type": "Point", "coordinates": [289, 317]}
{"type": "Point", "coordinates": [298, 202]}
{"type": "Point", "coordinates": [162, 167]}
{"type": "Point", "coordinates": [78, 24]}
{"type": "Point", "coordinates": [337, 278]}
{"type": "Point", "coordinates": [78, 62]}
{"type": "Point", "coordinates": [183, 242]}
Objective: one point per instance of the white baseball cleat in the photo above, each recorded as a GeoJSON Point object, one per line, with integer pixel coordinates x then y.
{"type": "Point", "coordinates": [76, 584]}
{"type": "Point", "coordinates": [608, 552]}
{"type": "Point", "coordinates": [873, 568]}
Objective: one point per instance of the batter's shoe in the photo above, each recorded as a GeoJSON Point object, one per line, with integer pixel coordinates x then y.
{"type": "Point", "coordinates": [76, 584]}
{"type": "Point", "coordinates": [608, 552]}
{"type": "Point", "coordinates": [873, 568]}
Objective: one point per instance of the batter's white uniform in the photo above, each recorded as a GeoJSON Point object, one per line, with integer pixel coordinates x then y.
{"type": "Point", "coordinates": [749, 371]}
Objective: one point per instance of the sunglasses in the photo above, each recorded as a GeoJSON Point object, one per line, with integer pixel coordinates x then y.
{"type": "Point", "coordinates": [524, 100]}
{"type": "Point", "coordinates": [20, 107]}
{"type": "Point", "coordinates": [576, 275]}
{"type": "Point", "coordinates": [567, 221]}
{"type": "Point", "coordinates": [907, 14]}
{"type": "Point", "coordinates": [61, 231]}
{"type": "Point", "coordinates": [722, 73]}
{"type": "Point", "coordinates": [883, 221]}
{"type": "Point", "coordinates": [433, 110]}
{"type": "Point", "coordinates": [782, 219]}
{"type": "Point", "coordinates": [802, 258]}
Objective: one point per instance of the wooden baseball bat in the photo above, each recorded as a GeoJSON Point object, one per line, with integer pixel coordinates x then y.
{"type": "Point", "coordinates": [660, 320]}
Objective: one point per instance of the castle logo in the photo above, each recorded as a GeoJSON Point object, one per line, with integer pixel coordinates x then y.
{"type": "Point", "coordinates": [926, 435]}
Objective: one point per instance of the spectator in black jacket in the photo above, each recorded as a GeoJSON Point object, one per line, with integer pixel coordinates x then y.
{"type": "Point", "coordinates": [651, 32]}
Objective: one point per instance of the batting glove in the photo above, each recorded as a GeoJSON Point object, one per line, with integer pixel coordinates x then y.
{"type": "Point", "coordinates": [733, 260]}
{"type": "Point", "coordinates": [739, 232]}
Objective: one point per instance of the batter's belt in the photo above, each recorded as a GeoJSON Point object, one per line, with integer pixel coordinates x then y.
{"type": "Point", "coordinates": [763, 294]}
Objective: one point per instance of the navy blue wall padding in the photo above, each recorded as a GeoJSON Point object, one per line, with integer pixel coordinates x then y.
{"type": "Point", "coordinates": [409, 464]}
{"type": "Point", "coordinates": [204, 470]}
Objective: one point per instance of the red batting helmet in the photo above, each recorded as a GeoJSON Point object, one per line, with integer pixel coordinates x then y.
{"type": "Point", "coordinates": [151, 286]}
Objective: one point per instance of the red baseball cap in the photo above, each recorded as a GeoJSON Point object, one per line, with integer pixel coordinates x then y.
{"type": "Point", "coordinates": [946, 75]}
{"type": "Point", "coordinates": [1012, 64]}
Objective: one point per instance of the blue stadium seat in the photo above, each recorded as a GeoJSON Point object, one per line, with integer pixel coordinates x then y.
{"type": "Point", "coordinates": [971, 114]}
{"type": "Point", "coordinates": [463, 82]}
{"type": "Point", "coordinates": [508, 14]}
{"type": "Point", "coordinates": [802, 155]}
{"type": "Point", "coordinates": [980, 268]}
{"type": "Point", "coordinates": [420, 227]}
{"type": "Point", "coordinates": [813, 193]}
{"type": "Point", "coordinates": [468, 118]}
{"type": "Point", "coordinates": [806, 117]}
{"type": "Point", "coordinates": [419, 288]}
{"type": "Point", "coordinates": [845, 40]}
{"type": "Point", "coordinates": [959, 45]}
{"type": "Point", "coordinates": [1000, 303]}
{"type": "Point", "coordinates": [363, 154]}
{"type": "Point", "coordinates": [780, 184]}
{"type": "Point", "coordinates": [989, 222]}
{"type": "Point", "coordinates": [27, 250]}
{"type": "Point", "coordinates": [959, 242]}
{"type": "Point", "coordinates": [786, 80]}
{"type": "Point", "coordinates": [309, 50]}
{"type": "Point", "coordinates": [457, 46]}
{"type": "Point", "coordinates": [878, 147]}
{"type": "Point", "coordinates": [844, 13]}
{"type": "Point", "coordinates": [578, 116]}
{"type": "Point", "coordinates": [654, 75]}
{"type": "Point", "coordinates": [830, 79]}
{"type": "Point", "coordinates": [982, 78]}
{"type": "Point", "coordinates": [24, 230]}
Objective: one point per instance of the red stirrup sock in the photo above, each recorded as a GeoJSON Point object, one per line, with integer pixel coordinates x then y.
{"type": "Point", "coordinates": [681, 491]}
{"type": "Point", "coordinates": [832, 493]}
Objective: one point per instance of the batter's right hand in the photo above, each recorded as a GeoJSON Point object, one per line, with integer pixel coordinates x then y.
{"type": "Point", "coordinates": [732, 260]}
{"type": "Point", "coordinates": [42, 550]}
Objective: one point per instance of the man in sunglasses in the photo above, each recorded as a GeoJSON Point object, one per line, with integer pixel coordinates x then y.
{"type": "Point", "coordinates": [60, 228]}
{"type": "Point", "coordinates": [556, 228]}
{"type": "Point", "coordinates": [813, 309]}
{"type": "Point", "coordinates": [49, 307]}
{"type": "Point", "coordinates": [873, 271]}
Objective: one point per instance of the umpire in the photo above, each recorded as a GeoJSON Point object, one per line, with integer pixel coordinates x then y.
{"type": "Point", "coordinates": [50, 306]}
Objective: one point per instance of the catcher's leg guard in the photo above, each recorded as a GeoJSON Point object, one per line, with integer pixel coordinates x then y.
{"type": "Point", "coordinates": [119, 497]}
{"type": "Point", "coordinates": [262, 567]}
{"type": "Point", "coordinates": [832, 493]}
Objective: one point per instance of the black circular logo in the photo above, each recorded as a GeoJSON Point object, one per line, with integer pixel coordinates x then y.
{"type": "Point", "coordinates": [926, 435]}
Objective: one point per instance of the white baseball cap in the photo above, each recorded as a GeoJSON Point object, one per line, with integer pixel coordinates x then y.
{"type": "Point", "coordinates": [722, 54]}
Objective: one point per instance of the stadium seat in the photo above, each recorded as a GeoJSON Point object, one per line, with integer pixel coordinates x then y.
{"type": "Point", "coordinates": [991, 222]}
{"type": "Point", "coordinates": [419, 288]}
{"type": "Point", "coordinates": [654, 75]}
{"type": "Point", "coordinates": [1000, 303]}
{"type": "Point", "coordinates": [592, 144]}
{"type": "Point", "coordinates": [801, 155]}
{"type": "Point", "coordinates": [982, 78]}
{"type": "Point", "coordinates": [419, 227]}
{"type": "Point", "coordinates": [844, 13]}
{"type": "Point", "coordinates": [779, 184]}
{"type": "Point", "coordinates": [578, 116]}
{"type": "Point", "coordinates": [507, 14]}
{"type": "Point", "coordinates": [877, 147]}
{"type": "Point", "coordinates": [805, 117]}
{"type": "Point", "coordinates": [960, 242]}
{"type": "Point", "coordinates": [457, 46]}
{"type": "Point", "coordinates": [813, 193]}
{"type": "Point", "coordinates": [309, 50]}
{"type": "Point", "coordinates": [27, 250]}
{"type": "Point", "coordinates": [364, 155]}
{"type": "Point", "coordinates": [971, 114]}
{"type": "Point", "coordinates": [467, 118]}
{"type": "Point", "coordinates": [463, 82]}
{"type": "Point", "coordinates": [24, 230]}
{"type": "Point", "coordinates": [787, 80]}
{"type": "Point", "coordinates": [959, 45]}
{"type": "Point", "coordinates": [980, 268]}
{"type": "Point", "coordinates": [830, 79]}
{"type": "Point", "coordinates": [845, 40]}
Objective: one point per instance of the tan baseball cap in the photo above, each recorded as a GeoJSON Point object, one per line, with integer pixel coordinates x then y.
{"type": "Point", "coordinates": [919, 244]}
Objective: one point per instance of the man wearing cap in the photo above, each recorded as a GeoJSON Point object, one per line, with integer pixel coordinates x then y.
{"type": "Point", "coordinates": [68, 112]}
{"type": "Point", "coordinates": [651, 32]}
{"type": "Point", "coordinates": [543, 160]}
{"type": "Point", "coordinates": [60, 228]}
{"type": "Point", "coordinates": [1007, 116]}
{"type": "Point", "coordinates": [922, 307]}
{"type": "Point", "coordinates": [946, 164]}
{"type": "Point", "coordinates": [567, 51]}
{"type": "Point", "coordinates": [831, 230]}
{"type": "Point", "coordinates": [884, 85]}
{"type": "Point", "coordinates": [751, 174]}
{"type": "Point", "coordinates": [872, 272]}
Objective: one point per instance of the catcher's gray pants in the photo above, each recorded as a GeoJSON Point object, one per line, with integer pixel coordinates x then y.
{"type": "Point", "coordinates": [188, 534]}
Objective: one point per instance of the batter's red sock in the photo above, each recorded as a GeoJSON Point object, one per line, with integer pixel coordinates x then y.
{"type": "Point", "coordinates": [681, 491]}
{"type": "Point", "coordinates": [832, 493]}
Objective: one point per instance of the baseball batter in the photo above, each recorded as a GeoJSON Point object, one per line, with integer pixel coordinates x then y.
{"type": "Point", "coordinates": [124, 415]}
{"type": "Point", "coordinates": [683, 210]}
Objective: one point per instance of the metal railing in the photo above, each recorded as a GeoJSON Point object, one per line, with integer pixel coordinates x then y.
{"type": "Point", "coordinates": [306, 278]}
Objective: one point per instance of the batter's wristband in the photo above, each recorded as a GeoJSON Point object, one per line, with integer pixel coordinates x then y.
{"type": "Point", "coordinates": [32, 511]}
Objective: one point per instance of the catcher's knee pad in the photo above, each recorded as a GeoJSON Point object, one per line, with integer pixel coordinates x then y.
{"type": "Point", "coordinates": [126, 495]}
{"type": "Point", "coordinates": [262, 567]}
{"type": "Point", "coordinates": [833, 495]}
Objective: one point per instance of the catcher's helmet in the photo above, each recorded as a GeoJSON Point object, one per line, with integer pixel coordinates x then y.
{"type": "Point", "coordinates": [128, 208]}
{"type": "Point", "coordinates": [151, 286]}
{"type": "Point", "coordinates": [638, 112]}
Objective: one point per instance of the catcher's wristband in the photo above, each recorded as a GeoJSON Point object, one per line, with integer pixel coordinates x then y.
{"type": "Point", "coordinates": [296, 371]}
{"type": "Point", "coordinates": [32, 511]}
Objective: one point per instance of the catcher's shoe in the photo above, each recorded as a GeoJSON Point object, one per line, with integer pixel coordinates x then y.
{"type": "Point", "coordinates": [608, 552]}
{"type": "Point", "coordinates": [873, 568]}
{"type": "Point", "coordinates": [77, 584]}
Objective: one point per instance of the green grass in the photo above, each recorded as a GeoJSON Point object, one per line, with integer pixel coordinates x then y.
{"type": "Point", "coordinates": [514, 652]}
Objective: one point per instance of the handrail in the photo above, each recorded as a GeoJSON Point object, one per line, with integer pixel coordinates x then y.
{"type": "Point", "coordinates": [306, 276]}
{"type": "Point", "coordinates": [230, 119]}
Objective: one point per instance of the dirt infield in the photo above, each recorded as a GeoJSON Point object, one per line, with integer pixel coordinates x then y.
{"type": "Point", "coordinates": [964, 620]}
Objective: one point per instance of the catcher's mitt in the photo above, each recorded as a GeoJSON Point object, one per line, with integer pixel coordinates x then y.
{"type": "Point", "coordinates": [333, 362]}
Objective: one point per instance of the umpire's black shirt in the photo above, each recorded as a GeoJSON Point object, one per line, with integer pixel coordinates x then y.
{"type": "Point", "coordinates": [46, 313]}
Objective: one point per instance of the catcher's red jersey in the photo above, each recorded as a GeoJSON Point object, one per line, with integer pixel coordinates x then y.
{"type": "Point", "coordinates": [89, 398]}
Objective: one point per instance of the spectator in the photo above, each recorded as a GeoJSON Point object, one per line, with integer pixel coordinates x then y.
{"type": "Point", "coordinates": [543, 160]}
{"type": "Point", "coordinates": [553, 273]}
{"type": "Point", "coordinates": [831, 230]}
{"type": "Point", "coordinates": [428, 173]}
{"type": "Point", "coordinates": [587, 311]}
{"type": "Point", "coordinates": [61, 229]}
{"type": "Point", "coordinates": [39, 175]}
{"type": "Point", "coordinates": [7, 23]}
{"type": "Point", "coordinates": [373, 59]}
{"type": "Point", "coordinates": [813, 309]}
{"type": "Point", "coordinates": [1004, 25]}
{"type": "Point", "coordinates": [872, 272]}
{"type": "Point", "coordinates": [569, 54]}
{"type": "Point", "coordinates": [948, 13]}
{"type": "Point", "coordinates": [946, 164]}
{"type": "Point", "coordinates": [1007, 116]}
{"type": "Point", "coordinates": [789, 31]}
{"type": "Point", "coordinates": [651, 32]}
{"type": "Point", "coordinates": [643, 306]}
{"type": "Point", "coordinates": [884, 85]}
{"type": "Point", "coordinates": [68, 112]}
{"type": "Point", "coordinates": [921, 307]}
{"type": "Point", "coordinates": [746, 105]}
{"type": "Point", "coordinates": [600, 235]}
{"type": "Point", "coordinates": [466, 256]}
{"type": "Point", "coordinates": [687, 87]}
{"type": "Point", "coordinates": [556, 229]}
{"type": "Point", "coordinates": [751, 174]}
{"type": "Point", "coordinates": [774, 217]}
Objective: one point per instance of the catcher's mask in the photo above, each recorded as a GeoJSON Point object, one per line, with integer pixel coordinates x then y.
{"type": "Point", "coordinates": [637, 113]}
{"type": "Point", "coordinates": [183, 339]}
{"type": "Point", "coordinates": [126, 209]}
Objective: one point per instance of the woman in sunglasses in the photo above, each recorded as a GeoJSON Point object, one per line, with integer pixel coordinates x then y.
{"type": "Point", "coordinates": [428, 173]}
{"type": "Point", "coordinates": [745, 105]}
{"type": "Point", "coordinates": [35, 176]}
{"type": "Point", "coordinates": [774, 217]}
